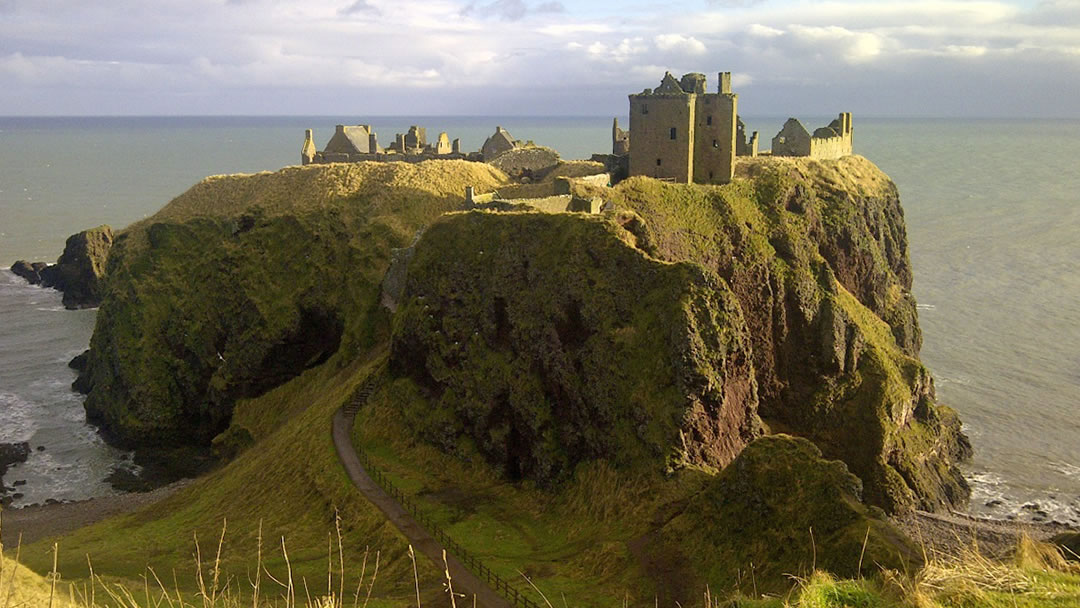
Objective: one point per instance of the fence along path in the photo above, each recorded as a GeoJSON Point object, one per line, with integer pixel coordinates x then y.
{"type": "Point", "coordinates": [471, 576]}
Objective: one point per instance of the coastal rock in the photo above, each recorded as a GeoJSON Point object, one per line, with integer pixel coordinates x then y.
{"type": "Point", "coordinates": [28, 271]}
{"type": "Point", "coordinates": [78, 362]}
{"type": "Point", "coordinates": [244, 282]}
{"type": "Point", "coordinates": [79, 270]}
{"type": "Point", "coordinates": [785, 509]}
{"type": "Point", "coordinates": [816, 254]}
{"type": "Point", "coordinates": [12, 453]}
{"type": "Point", "coordinates": [547, 340]}
{"type": "Point", "coordinates": [1069, 542]}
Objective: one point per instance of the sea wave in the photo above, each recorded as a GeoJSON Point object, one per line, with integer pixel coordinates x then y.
{"type": "Point", "coordinates": [18, 413]}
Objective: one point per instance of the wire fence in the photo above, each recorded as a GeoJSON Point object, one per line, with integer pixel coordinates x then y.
{"type": "Point", "coordinates": [470, 561]}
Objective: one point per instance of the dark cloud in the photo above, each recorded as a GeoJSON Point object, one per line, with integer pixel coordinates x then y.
{"type": "Point", "coordinates": [359, 7]}
{"type": "Point", "coordinates": [510, 10]}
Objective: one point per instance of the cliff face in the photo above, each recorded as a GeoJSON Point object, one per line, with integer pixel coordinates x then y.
{"type": "Point", "coordinates": [79, 270]}
{"type": "Point", "coordinates": [670, 332]}
{"type": "Point", "coordinates": [244, 282]}
{"type": "Point", "coordinates": [546, 340]}
{"type": "Point", "coordinates": [816, 254]}
{"type": "Point", "coordinates": [810, 325]}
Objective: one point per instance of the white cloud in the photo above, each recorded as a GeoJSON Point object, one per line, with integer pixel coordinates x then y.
{"type": "Point", "coordinates": [679, 44]}
{"type": "Point", "coordinates": [854, 47]}
{"type": "Point", "coordinates": [764, 31]}
{"type": "Point", "coordinates": [258, 49]}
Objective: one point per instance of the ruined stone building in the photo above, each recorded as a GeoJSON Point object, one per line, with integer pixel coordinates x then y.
{"type": "Point", "coordinates": [501, 141]}
{"type": "Point", "coordinates": [832, 141]}
{"type": "Point", "coordinates": [359, 143]}
{"type": "Point", "coordinates": [680, 132]}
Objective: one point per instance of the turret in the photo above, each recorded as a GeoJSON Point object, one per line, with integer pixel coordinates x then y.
{"type": "Point", "coordinates": [307, 153]}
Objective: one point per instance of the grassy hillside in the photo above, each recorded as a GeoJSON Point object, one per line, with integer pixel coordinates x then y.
{"type": "Point", "coordinates": [205, 300]}
{"type": "Point", "coordinates": [571, 433]}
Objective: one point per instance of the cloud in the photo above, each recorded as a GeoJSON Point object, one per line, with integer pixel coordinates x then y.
{"type": "Point", "coordinates": [244, 54]}
{"type": "Point", "coordinates": [680, 44]}
{"type": "Point", "coordinates": [763, 31]}
{"type": "Point", "coordinates": [360, 6]}
{"type": "Point", "coordinates": [853, 47]}
{"type": "Point", "coordinates": [510, 10]}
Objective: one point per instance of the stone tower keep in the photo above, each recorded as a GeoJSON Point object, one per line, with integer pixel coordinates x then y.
{"type": "Point", "coordinates": [681, 132]}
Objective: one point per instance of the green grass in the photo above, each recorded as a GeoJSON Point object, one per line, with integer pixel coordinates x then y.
{"type": "Point", "coordinates": [572, 543]}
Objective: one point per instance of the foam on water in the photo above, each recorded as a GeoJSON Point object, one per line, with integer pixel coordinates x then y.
{"type": "Point", "coordinates": [37, 339]}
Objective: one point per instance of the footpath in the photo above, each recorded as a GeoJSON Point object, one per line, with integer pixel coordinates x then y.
{"type": "Point", "coordinates": [464, 581]}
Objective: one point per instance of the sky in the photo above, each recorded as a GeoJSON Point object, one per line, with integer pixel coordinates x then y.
{"type": "Point", "coordinates": [535, 57]}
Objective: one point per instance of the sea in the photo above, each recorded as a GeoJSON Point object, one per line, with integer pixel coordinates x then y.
{"type": "Point", "coordinates": [993, 218]}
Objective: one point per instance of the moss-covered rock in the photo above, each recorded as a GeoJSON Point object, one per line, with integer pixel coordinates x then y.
{"type": "Point", "coordinates": [546, 340]}
{"type": "Point", "coordinates": [778, 510]}
{"type": "Point", "coordinates": [79, 270]}
{"type": "Point", "coordinates": [245, 281]}
{"type": "Point", "coordinates": [816, 254]}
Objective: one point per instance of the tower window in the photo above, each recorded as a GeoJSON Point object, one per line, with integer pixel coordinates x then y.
{"type": "Point", "coordinates": [644, 108]}
{"type": "Point", "coordinates": [672, 132]}
{"type": "Point", "coordinates": [708, 120]}
{"type": "Point", "coordinates": [658, 162]}
{"type": "Point", "coordinates": [714, 144]}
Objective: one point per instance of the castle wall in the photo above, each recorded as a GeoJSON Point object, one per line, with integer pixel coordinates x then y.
{"type": "Point", "coordinates": [653, 151]}
{"type": "Point", "coordinates": [830, 147]}
{"type": "Point", "coordinates": [792, 140]}
{"type": "Point", "coordinates": [714, 148]}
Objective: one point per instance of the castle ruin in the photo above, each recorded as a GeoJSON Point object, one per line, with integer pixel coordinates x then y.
{"type": "Point", "coordinates": [679, 132]}
{"type": "Point", "coordinates": [359, 143]}
{"type": "Point", "coordinates": [832, 141]}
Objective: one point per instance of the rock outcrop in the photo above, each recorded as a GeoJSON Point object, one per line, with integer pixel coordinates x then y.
{"type": "Point", "coordinates": [244, 282]}
{"type": "Point", "coordinates": [816, 254]}
{"type": "Point", "coordinates": [10, 453]}
{"type": "Point", "coordinates": [547, 340]}
{"type": "Point", "coordinates": [782, 510]}
{"type": "Point", "coordinates": [655, 336]}
{"type": "Point", "coordinates": [79, 270]}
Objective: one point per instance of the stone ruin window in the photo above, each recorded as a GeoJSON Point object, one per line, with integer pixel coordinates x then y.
{"type": "Point", "coordinates": [781, 139]}
{"type": "Point", "coordinates": [708, 120]}
{"type": "Point", "coordinates": [673, 133]}
{"type": "Point", "coordinates": [644, 108]}
{"type": "Point", "coordinates": [658, 162]}
{"type": "Point", "coordinates": [715, 144]}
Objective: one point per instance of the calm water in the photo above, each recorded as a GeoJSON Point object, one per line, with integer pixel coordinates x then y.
{"type": "Point", "coordinates": [992, 213]}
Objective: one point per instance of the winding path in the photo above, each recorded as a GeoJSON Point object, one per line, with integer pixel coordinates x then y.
{"type": "Point", "coordinates": [464, 581]}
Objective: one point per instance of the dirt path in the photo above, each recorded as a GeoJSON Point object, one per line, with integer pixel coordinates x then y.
{"type": "Point", "coordinates": [464, 580]}
{"type": "Point", "coordinates": [36, 522]}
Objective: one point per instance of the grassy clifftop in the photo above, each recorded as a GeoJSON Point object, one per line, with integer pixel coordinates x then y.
{"type": "Point", "coordinates": [578, 355]}
{"type": "Point", "coordinates": [244, 281]}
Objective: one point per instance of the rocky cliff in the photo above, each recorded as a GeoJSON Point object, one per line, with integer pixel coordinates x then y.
{"type": "Point", "coordinates": [548, 340]}
{"type": "Point", "coordinates": [808, 323]}
{"type": "Point", "coordinates": [79, 270]}
{"type": "Point", "coordinates": [667, 333]}
{"type": "Point", "coordinates": [244, 282]}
